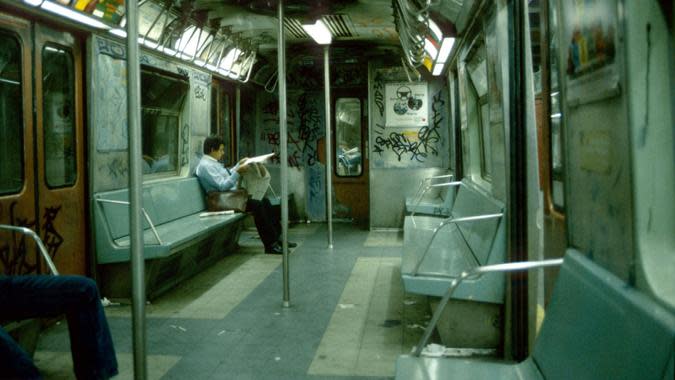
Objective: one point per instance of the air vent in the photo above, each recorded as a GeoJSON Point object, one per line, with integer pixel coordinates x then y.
{"type": "Point", "coordinates": [294, 28]}
{"type": "Point", "coordinates": [340, 25]}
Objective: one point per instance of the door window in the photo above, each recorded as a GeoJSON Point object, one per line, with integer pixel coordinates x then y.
{"type": "Point", "coordinates": [348, 139]}
{"type": "Point", "coordinates": [11, 116]}
{"type": "Point", "coordinates": [58, 90]}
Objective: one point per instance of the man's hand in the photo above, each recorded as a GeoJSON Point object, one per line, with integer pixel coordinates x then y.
{"type": "Point", "coordinates": [243, 168]}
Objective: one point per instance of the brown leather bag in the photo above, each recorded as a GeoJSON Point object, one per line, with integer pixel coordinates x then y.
{"type": "Point", "coordinates": [227, 200]}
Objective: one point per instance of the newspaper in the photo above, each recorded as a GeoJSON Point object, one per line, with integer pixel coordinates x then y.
{"type": "Point", "coordinates": [255, 180]}
{"type": "Point", "coordinates": [258, 159]}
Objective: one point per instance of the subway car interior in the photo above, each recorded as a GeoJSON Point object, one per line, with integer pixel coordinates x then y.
{"type": "Point", "coordinates": [462, 189]}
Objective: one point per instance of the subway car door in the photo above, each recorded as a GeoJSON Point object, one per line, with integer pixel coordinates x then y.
{"type": "Point", "coordinates": [17, 177]}
{"type": "Point", "coordinates": [46, 191]}
{"type": "Point", "coordinates": [350, 164]}
{"type": "Point", "coordinates": [59, 144]}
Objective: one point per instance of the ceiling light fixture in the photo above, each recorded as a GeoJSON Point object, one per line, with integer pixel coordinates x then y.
{"type": "Point", "coordinates": [319, 32]}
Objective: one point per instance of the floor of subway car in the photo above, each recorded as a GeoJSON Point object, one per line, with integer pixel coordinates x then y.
{"type": "Point", "coordinates": [349, 316]}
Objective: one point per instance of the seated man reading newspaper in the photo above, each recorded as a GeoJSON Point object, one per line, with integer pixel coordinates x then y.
{"type": "Point", "coordinates": [213, 176]}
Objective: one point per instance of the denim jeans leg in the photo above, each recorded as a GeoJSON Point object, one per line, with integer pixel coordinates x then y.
{"type": "Point", "coordinates": [36, 296]}
{"type": "Point", "coordinates": [15, 363]}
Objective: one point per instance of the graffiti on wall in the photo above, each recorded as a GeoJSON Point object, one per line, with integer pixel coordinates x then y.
{"type": "Point", "coordinates": [304, 128]}
{"type": "Point", "coordinates": [14, 258]}
{"type": "Point", "coordinates": [315, 177]}
{"type": "Point", "coordinates": [408, 145]}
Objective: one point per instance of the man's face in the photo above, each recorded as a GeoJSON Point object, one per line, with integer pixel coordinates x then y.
{"type": "Point", "coordinates": [218, 154]}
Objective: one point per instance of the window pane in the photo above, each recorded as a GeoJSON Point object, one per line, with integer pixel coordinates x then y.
{"type": "Point", "coordinates": [557, 158]}
{"type": "Point", "coordinates": [348, 160]}
{"type": "Point", "coordinates": [11, 116]}
{"type": "Point", "coordinates": [486, 147]}
{"type": "Point", "coordinates": [160, 142]}
{"type": "Point", "coordinates": [58, 110]}
{"type": "Point", "coordinates": [161, 120]}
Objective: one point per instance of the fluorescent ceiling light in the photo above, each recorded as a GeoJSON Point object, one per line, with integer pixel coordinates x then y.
{"type": "Point", "coordinates": [34, 3]}
{"type": "Point", "coordinates": [227, 62]}
{"type": "Point", "coordinates": [438, 69]}
{"type": "Point", "coordinates": [118, 32]}
{"type": "Point", "coordinates": [438, 35]}
{"type": "Point", "coordinates": [148, 43]}
{"type": "Point", "coordinates": [319, 32]}
{"type": "Point", "coordinates": [446, 48]}
{"type": "Point", "coordinates": [73, 15]}
{"type": "Point", "coordinates": [430, 49]}
{"type": "Point", "coordinates": [168, 51]}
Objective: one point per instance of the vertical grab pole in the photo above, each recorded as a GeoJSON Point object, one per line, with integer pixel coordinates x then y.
{"type": "Point", "coordinates": [281, 73]}
{"type": "Point", "coordinates": [329, 145]}
{"type": "Point", "coordinates": [135, 191]}
{"type": "Point", "coordinates": [237, 118]}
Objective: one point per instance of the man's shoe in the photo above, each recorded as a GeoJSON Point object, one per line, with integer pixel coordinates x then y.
{"type": "Point", "coordinates": [290, 244]}
{"type": "Point", "coordinates": [275, 249]}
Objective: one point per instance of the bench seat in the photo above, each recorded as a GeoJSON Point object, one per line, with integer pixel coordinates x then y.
{"type": "Point", "coordinates": [596, 327]}
{"type": "Point", "coordinates": [176, 234]}
{"type": "Point", "coordinates": [408, 367]}
{"type": "Point", "coordinates": [180, 244]}
{"type": "Point", "coordinates": [435, 196]}
{"type": "Point", "coordinates": [430, 263]}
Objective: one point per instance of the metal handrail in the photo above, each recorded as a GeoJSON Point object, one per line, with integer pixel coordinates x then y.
{"type": "Point", "coordinates": [38, 241]}
{"type": "Point", "coordinates": [452, 221]}
{"type": "Point", "coordinates": [429, 179]}
{"type": "Point", "coordinates": [477, 272]}
{"type": "Point", "coordinates": [147, 217]}
{"type": "Point", "coordinates": [426, 188]}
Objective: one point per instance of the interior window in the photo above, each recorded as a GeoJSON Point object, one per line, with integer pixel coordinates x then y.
{"type": "Point", "coordinates": [58, 110]}
{"type": "Point", "coordinates": [161, 120]}
{"type": "Point", "coordinates": [11, 116]}
{"type": "Point", "coordinates": [348, 158]}
{"type": "Point", "coordinates": [557, 159]}
{"type": "Point", "coordinates": [478, 111]}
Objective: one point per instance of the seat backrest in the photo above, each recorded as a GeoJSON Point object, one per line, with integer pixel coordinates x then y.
{"type": "Point", "coordinates": [599, 327]}
{"type": "Point", "coordinates": [449, 198]}
{"type": "Point", "coordinates": [163, 201]}
{"type": "Point", "coordinates": [480, 234]}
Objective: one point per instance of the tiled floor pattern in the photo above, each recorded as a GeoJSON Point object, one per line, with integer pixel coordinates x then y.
{"type": "Point", "coordinates": [367, 331]}
{"type": "Point", "coordinates": [349, 317]}
{"type": "Point", "coordinates": [52, 366]}
{"type": "Point", "coordinates": [384, 239]}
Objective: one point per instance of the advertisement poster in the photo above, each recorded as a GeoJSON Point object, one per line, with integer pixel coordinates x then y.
{"type": "Point", "coordinates": [406, 104]}
{"type": "Point", "coordinates": [590, 28]}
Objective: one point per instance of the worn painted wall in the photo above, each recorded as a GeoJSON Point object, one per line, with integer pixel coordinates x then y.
{"type": "Point", "coordinates": [108, 128]}
{"type": "Point", "coordinates": [651, 89]}
{"type": "Point", "coordinates": [598, 169]}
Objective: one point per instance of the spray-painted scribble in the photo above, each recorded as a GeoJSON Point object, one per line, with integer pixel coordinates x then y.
{"type": "Point", "coordinates": [51, 237]}
{"type": "Point", "coordinates": [304, 129]}
{"type": "Point", "coordinates": [185, 144]}
{"type": "Point", "coordinates": [379, 96]}
{"type": "Point", "coordinates": [13, 253]}
{"type": "Point", "coordinates": [200, 93]}
{"type": "Point", "coordinates": [349, 75]}
{"type": "Point", "coordinates": [418, 148]}
{"type": "Point", "coordinates": [117, 168]}
{"type": "Point", "coordinates": [14, 258]}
